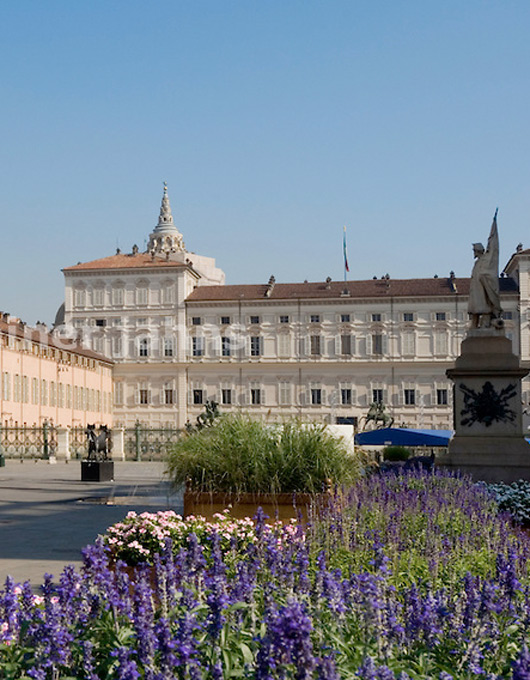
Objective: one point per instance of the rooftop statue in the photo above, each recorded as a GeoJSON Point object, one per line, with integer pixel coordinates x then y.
{"type": "Point", "coordinates": [484, 305]}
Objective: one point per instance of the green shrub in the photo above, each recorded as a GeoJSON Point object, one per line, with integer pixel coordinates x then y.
{"type": "Point", "coordinates": [395, 453]}
{"type": "Point", "coordinates": [239, 454]}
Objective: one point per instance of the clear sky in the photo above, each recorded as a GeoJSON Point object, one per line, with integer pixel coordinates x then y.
{"type": "Point", "coordinates": [274, 123]}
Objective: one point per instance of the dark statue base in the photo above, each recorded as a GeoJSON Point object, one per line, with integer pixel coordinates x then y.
{"type": "Point", "coordinates": [488, 443]}
{"type": "Point", "coordinates": [97, 470]}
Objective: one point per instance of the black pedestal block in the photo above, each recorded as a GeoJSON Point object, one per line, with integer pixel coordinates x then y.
{"type": "Point", "coordinates": [97, 470]}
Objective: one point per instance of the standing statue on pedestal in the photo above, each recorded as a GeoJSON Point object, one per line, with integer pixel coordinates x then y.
{"type": "Point", "coordinates": [484, 305]}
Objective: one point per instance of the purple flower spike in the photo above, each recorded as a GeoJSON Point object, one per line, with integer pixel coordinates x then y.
{"type": "Point", "coordinates": [521, 667]}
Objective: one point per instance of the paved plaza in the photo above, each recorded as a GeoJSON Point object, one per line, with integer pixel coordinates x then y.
{"type": "Point", "coordinates": [47, 515]}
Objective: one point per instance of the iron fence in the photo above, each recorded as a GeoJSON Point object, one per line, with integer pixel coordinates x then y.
{"type": "Point", "coordinates": [149, 443]}
{"type": "Point", "coordinates": [140, 442]}
{"type": "Point", "coordinates": [28, 442]}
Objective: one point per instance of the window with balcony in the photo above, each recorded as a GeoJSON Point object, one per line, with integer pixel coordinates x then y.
{"type": "Point", "coordinates": [377, 344]}
{"type": "Point", "coordinates": [169, 396]}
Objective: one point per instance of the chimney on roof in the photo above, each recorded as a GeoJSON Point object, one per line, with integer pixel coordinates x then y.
{"type": "Point", "coordinates": [270, 286]}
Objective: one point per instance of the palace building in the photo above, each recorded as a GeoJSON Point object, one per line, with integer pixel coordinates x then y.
{"type": "Point", "coordinates": [47, 378]}
{"type": "Point", "coordinates": [178, 335]}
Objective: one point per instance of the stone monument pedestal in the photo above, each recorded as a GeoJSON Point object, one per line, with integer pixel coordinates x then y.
{"type": "Point", "coordinates": [488, 443]}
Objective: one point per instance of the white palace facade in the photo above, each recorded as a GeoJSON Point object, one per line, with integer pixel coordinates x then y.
{"type": "Point", "coordinates": [178, 335]}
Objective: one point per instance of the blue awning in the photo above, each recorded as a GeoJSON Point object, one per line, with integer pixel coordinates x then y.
{"type": "Point", "coordinates": [400, 436]}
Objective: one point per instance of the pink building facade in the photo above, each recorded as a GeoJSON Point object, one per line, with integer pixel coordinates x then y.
{"type": "Point", "coordinates": [48, 378]}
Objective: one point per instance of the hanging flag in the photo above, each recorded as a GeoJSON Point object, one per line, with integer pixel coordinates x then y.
{"type": "Point", "coordinates": [346, 268]}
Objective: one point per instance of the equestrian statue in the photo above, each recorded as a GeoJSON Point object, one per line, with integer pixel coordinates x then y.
{"type": "Point", "coordinates": [377, 414]}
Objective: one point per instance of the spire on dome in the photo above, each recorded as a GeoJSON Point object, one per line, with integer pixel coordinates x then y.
{"type": "Point", "coordinates": [166, 238]}
{"type": "Point", "coordinates": [165, 210]}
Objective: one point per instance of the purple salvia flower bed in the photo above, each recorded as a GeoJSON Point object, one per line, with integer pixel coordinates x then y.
{"type": "Point", "coordinates": [412, 576]}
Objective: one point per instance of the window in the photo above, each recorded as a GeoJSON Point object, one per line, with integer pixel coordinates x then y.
{"type": "Point", "coordinates": [141, 296]}
{"type": "Point", "coordinates": [98, 344]}
{"type": "Point", "coordinates": [254, 319]}
{"type": "Point", "coordinates": [43, 392]}
{"type": "Point", "coordinates": [68, 396]}
{"type": "Point", "coordinates": [225, 347]}
{"type": "Point", "coordinates": [255, 396]}
{"type": "Point", "coordinates": [34, 391]}
{"type": "Point", "coordinates": [408, 316]}
{"type": "Point", "coordinates": [117, 347]}
{"type": "Point", "coordinates": [226, 396]}
{"type": "Point", "coordinates": [116, 321]}
{"type": "Point", "coordinates": [143, 347]}
{"type": "Point", "coordinates": [197, 344]}
{"type": "Point", "coordinates": [440, 344]}
{"type": "Point", "coordinates": [377, 344]}
{"type": "Point", "coordinates": [314, 318]}
{"type": "Point", "coordinates": [285, 393]}
{"type": "Point", "coordinates": [169, 396]}
{"type": "Point", "coordinates": [345, 318]}
{"type": "Point", "coordinates": [255, 346]}
{"type": "Point", "coordinates": [408, 344]}
{"type": "Point", "coordinates": [345, 396]}
{"type": "Point", "coordinates": [284, 345]}
{"type": "Point", "coordinates": [6, 386]}
{"type": "Point", "coordinates": [196, 320]}
{"type": "Point", "coordinates": [79, 297]}
{"type": "Point", "coordinates": [99, 294]}
{"type": "Point", "coordinates": [284, 319]}
{"type": "Point", "coordinates": [440, 316]}
{"type": "Point", "coordinates": [53, 394]}
{"type": "Point", "coordinates": [168, 295]}
{"type": "Point", "coordinates": [225, 320]}
{"type": "Point", "coordinates": [143, 396]}
{"type": "Point", "coordinates": [101, 323]}
{"type": "Point", "coordinates": [118, 393]}
{"type": "Point", "coordinates": [141, 321]}
{"type": "Point", "coordinates": [441, 397]}
{"type": "Point", "coordinates": [117, 296]}
{"type": "Point", "coordinates": [377, 395]}
{"type": "Point", "coordinates": [314, 344]}
{"type": "Point", "coordinates": [409, 397]}
{"type": "Point", "coordinates": [345, 344]}
{"type": "Point", "coordinates": [376, 317]}
{"type": "Point", "coordinates": [316, 396]}
{"type": "Point", "coordinates": [198, 396]}
{"type": "Point", "coordinates": [169, 347]}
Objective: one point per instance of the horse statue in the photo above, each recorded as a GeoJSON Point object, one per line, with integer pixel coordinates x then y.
{"type": "Point", "coordinates": [377, 414]}
{"type": "Point", "coordinates": [99, 445]}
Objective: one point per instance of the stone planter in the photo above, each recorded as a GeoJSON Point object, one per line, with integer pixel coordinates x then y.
{"type": "Point", "coordinates": [282, 506]}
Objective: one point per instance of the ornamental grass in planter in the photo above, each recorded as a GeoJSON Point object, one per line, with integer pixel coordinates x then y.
{"type": "Point", "coordinates": [239, 461]}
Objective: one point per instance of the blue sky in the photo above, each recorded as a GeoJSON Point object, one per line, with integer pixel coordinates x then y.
{"type": "Point", "coordinates": [274, 122]}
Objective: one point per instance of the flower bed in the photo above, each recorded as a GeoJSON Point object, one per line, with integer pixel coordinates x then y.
{"type": "Point", "coordinates": [408, 576]}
